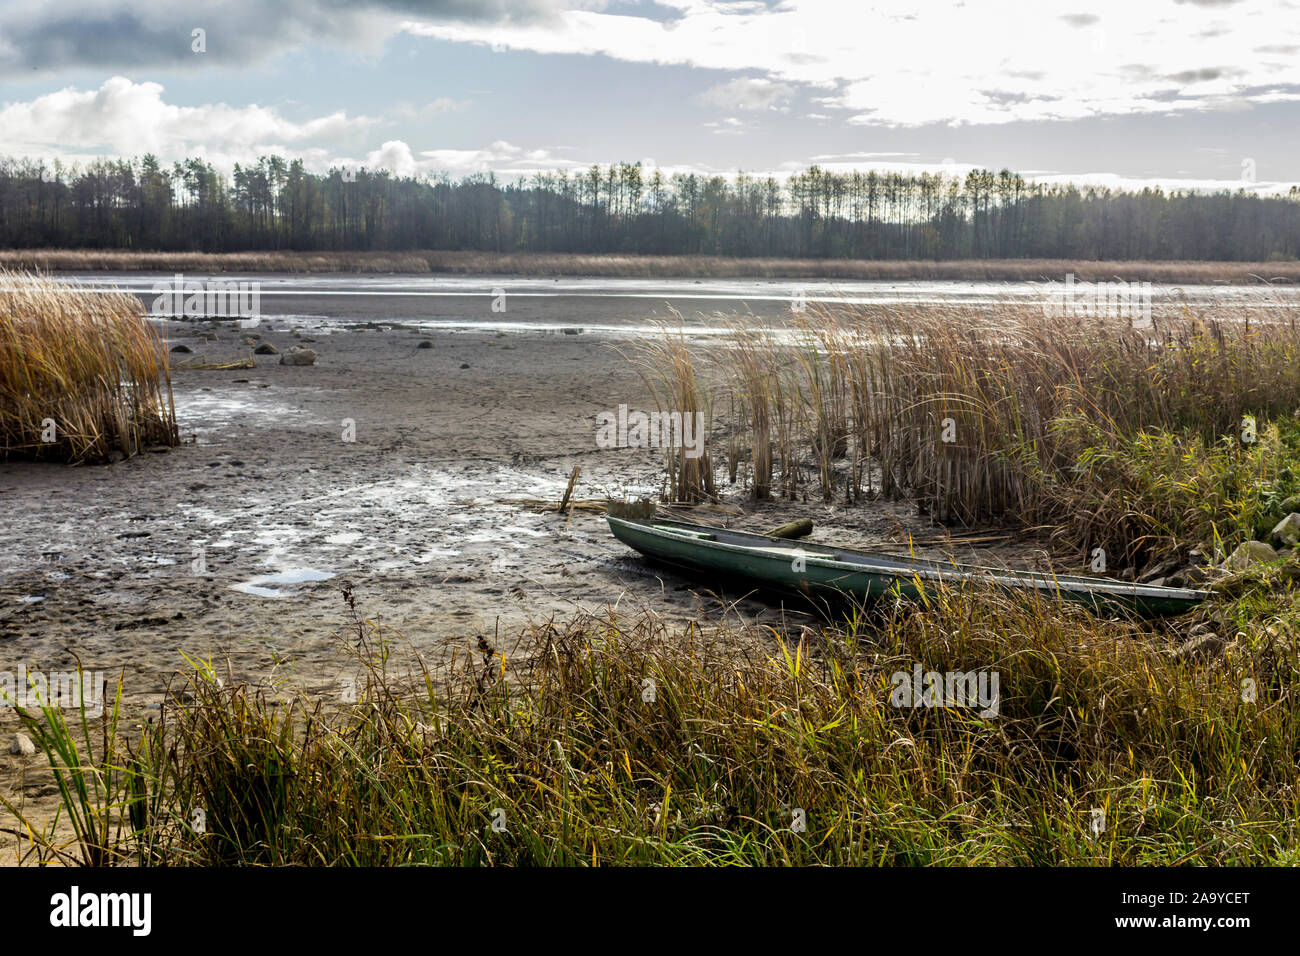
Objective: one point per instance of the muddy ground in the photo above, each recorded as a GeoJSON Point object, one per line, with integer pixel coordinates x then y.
{"type": "Point", "coordinates": [234, 545]}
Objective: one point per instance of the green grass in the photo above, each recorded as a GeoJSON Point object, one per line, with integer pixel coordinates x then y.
{"type": "Point", "coordinates": [566, 746]}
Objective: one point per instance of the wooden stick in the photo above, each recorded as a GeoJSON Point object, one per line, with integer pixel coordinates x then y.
{"type": "Point", "coordinates": [573, 480]}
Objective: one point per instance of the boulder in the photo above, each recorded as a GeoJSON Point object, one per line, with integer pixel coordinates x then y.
{"type": "Point", "coordinates": [266, 348]}
{"type": "Point", "coordinates": [182, 348]}
{"type": "Point", "coordinates": [298, 356]}
{"type": "Point", "coordinates": [1289, 505]}
{"type": "Point", "coordinates": [22, 745]}
{"type": "Point", "coordinates": [425, 344]}
{"type": "Point", "coordinates": [1286, 532]}
{"type": "Point", "coordinates": [1248, 554]}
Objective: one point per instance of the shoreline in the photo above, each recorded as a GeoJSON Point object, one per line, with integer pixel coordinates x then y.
{"type": "Point", "coordinates": [434, 262]}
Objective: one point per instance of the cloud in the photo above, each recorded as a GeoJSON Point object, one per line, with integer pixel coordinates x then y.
{"type": "Point", "coordinates": [748, 93]}
{"type": "Point", "coordinates": [127, 119]}
{"type": "Point", "coordinates": [123, 118]}
{"type": "Point", "coordinates": [729, 126]}
{"type": "Point", "coordinates": [118, 34]}
{"type": "Point", "coordinates": [896, 63]}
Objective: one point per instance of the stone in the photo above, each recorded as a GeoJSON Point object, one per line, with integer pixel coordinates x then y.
{"type": "Point", "coordinates": [1287, 531]}
{"type": "Point", "coordinates": [182, 348]}
{"type": "Point", "coordinates": [266, 348]}
{"type": "Point", "coordinates": [1164, 569]}
{"type": "Point", "coordinates": [1289, 505]}
{"type": "Point", "coordinates": [1202, 642]}
{"type": "Point", "coordinates": [22, 745]}
{"type": "Point", "coordinates": [1248, 554]}
{"type": "Point", "coordinates": [425, 344]}
{"type": "Point", "coordinates": [298, 356]}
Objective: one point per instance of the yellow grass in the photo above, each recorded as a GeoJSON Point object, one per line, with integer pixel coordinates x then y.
{"type": "Point", "coordinates": [83, 375]}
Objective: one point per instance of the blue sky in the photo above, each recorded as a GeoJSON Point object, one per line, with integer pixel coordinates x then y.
{"type": "Point", "coordinates": [1198, 93]}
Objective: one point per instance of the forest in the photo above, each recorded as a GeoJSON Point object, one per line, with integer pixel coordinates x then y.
{"type": "Point", "coordinates": [277, 204]}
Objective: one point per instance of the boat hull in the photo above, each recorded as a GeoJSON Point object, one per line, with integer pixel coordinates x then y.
{"type": "Point", "coordinates": [829, 572]}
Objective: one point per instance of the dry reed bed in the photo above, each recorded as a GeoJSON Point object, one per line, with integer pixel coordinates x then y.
{"type": "Point", "coordinates": [82, 368]}
{"type": "Point", "coordinates": [649, 266]}
{"type": "Point", "coordinates": [979, 413]}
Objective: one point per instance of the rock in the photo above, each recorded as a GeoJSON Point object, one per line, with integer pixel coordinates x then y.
{"type": "Point", "coordinates": [1249, 554]}
{"type": "Point", "coordinates": [1202, 642]}
{"type": "Point", "coordinates": [1164, 569]}
{"type": "Point", "coordinates": [571, 331]}
{"type": "Point", "coordinates": [1287, 531]}
{"type": "Point", "coordinates": [425, 344]}
{"type": "Point", "coordinates": [22, 745]}
{"type": "Point", "coordinates": [464, 365]}
{"type": "Point", "coordinates": [266, 348]}
{"type": "Point", "coordinates": [1289, 505]}
{"type": "Point", "coordinates": [251, 339]}
{"type": "Point", "coordinates": [299, 356]}
{"type": "Point", "coordinates": [182, 348]}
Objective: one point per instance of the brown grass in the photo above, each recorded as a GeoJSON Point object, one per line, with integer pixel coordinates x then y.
{"type": "Point", "coordinates": [570, 264]}
{"type": "Point", "coordinates": [83, 375]}
{"type": "Point", "coordinates": [1006, 413]}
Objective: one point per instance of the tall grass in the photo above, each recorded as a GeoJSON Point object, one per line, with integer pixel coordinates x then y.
{"type": "Point", "coordinates": [608, 739]}
{"type": "Point", "coordinates": [1007, 413]}
{"type": "Point", "coordinates": [667, 369]}
{"type": "Point", "coordinates": [83, 375]}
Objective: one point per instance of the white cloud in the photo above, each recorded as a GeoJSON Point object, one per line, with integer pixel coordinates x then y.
{"type": "Point", "coordinates": [899, 63]}
{"type": "Point", "coordinates": [748, 93]}
{"type": "Point", "coordinates": [123, 118]}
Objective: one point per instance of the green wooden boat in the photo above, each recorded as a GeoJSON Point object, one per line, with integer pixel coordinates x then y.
{"type": "Point", "coordinates": [824, 571]}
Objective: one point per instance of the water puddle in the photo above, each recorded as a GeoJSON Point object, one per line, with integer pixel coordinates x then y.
{"type": "Point", "coordinates": [258, 586]}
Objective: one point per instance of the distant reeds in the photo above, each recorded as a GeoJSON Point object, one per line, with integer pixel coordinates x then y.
{"type": "Point", "coordinates": [83, 375]}
{"type": "Point", "coordinates": [421, 261]}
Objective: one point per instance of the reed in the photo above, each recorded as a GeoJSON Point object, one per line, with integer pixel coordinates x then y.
{"type": "Point", "coordinates": [83, 375]}
{"type": "Point", "coordinates": [1010, 414]}
{"type": "Point", "coordinates": [465, 262]}
{"type": "Point", "coordinates": [667, 367]}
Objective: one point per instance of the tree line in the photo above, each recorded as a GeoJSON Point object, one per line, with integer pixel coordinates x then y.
{"type": "Point", "coordinates": [624, 208]}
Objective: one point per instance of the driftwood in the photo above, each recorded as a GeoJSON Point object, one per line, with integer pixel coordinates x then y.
{"type": "Point", "coordinates": [799, 528]}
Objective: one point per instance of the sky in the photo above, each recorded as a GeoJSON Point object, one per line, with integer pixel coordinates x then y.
{"type": "Point", "coordinates": [1178, 93]}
